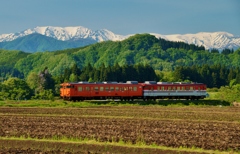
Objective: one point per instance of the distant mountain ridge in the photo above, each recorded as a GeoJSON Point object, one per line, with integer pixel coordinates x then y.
{"type": "Point", "coordinates": [218, 40]}
{"type": "Point", "coordinates": [65, 33]}
{"type": "Point", "coordinates": [38, 42]}
{"type": "Point", "coordinates": [71, 37]}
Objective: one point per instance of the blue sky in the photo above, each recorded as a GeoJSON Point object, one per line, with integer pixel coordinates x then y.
{"type": "Point", "coordinates": [123, 16]}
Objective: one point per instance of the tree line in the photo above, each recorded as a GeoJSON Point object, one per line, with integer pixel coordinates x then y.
{"type": "Point", "coordinates": [211, 75]}
{"type": "Point", "coordinates": [165, 44]}
{"type": "Point", "coordinates": [137, 72]}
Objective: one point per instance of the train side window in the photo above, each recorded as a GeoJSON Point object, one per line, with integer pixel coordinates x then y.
{"type": "Point", "coordinates": [191, 88]}
{"type": "Point", "coordinates": [96, 88]}
{"type": "Point", "coordinates": [187, 88]}
{"type": "Point", "coordinates": [183, 88]}
{"type": "Point", "coordinates": [173, 88]}
{"type": "Point", "coordinates": [117, 88]}
{"type": "Point", "coordinates": [111, 88]}
{"type": "Point", "coordinates": [178, 88]}
{"type": "Point", "coordinates": [101, 88]}
{"type": "Point", "coordinates": [134, 88]}
{"type": "Point", "coordinates": [87, 89]}
{"type": "Point", "coordinates": [106, 89]}
{"type": "Point", "coordinates": [79, 88]}
{"type": "Point", "coordinates": [169, 88]}
{"type": "Point", "coordinates": [125, 88]}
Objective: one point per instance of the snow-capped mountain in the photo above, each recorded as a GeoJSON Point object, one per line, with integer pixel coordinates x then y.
{"type": "Point", "coordinates": [65, 33]}
{"type": "Point", "coordinates": [218, 40]}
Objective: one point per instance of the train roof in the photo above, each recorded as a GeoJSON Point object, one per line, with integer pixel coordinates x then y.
{"type": "Point", "coordinates": [104, 82]}
{"type": "Point", "coordinates": [171, 83]}
{"type": "Point", "coordinates": [134, 82]}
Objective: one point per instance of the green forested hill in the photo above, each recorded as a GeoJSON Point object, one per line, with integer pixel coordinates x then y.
{"type": "Point", "coordinates": [141, 48]}
{"type": "Point", "coordinates": [8, 59]}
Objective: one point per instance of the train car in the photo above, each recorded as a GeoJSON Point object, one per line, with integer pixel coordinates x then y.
{"type": "Point", "coordinates": [132, 90]}
{"type": "Point", "coordinates": [173, 90]}
{"type": "Point", "coordinates": [101, 90]}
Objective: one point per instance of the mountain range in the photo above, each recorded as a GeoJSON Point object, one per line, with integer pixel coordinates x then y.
{"type": "Point", "coordinates": [51, 38]}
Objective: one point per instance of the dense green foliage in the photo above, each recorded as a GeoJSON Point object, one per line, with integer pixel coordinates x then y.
{"type": "Point", "coordinates": [229, 93]}
{"type": "Point", "coordinates": [37, 86]}
{"type": "Point", "coordinates": [15, 89]}
{"type": "Point", "coordinates": [116, 73]}
{"type": "Point", "coordinates": [7, 61]}
{"type": "Point", "coordinates": [213, 76]}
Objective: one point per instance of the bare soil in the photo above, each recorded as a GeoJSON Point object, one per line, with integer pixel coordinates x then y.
{"type": "Point", "coordinates": [210, 128]}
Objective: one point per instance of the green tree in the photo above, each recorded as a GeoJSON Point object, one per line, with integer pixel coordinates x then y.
{"type": "Point", "coordinates": [33, 80]}
{"type": "Point", "coordinates": [15, 88]}
{"type": "Point", "coordinates": [73, 78]}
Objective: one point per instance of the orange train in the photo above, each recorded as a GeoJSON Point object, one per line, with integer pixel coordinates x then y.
{"type": "Point", "coordinates": [78, 91]}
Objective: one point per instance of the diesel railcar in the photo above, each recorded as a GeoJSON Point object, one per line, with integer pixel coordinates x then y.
{"type": "Point", "coordinates": [77, 91]}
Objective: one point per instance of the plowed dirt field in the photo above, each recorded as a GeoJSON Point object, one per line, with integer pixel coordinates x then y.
{"type": "Point", "coordinates": [209, 128]}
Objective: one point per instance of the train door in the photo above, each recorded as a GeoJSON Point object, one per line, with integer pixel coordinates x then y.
{"type": "Point", "coordinates": [75, 90]}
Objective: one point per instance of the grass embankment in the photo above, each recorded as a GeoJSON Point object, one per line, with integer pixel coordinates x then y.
{"type": "Point", "coordinates": [62, 103]}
